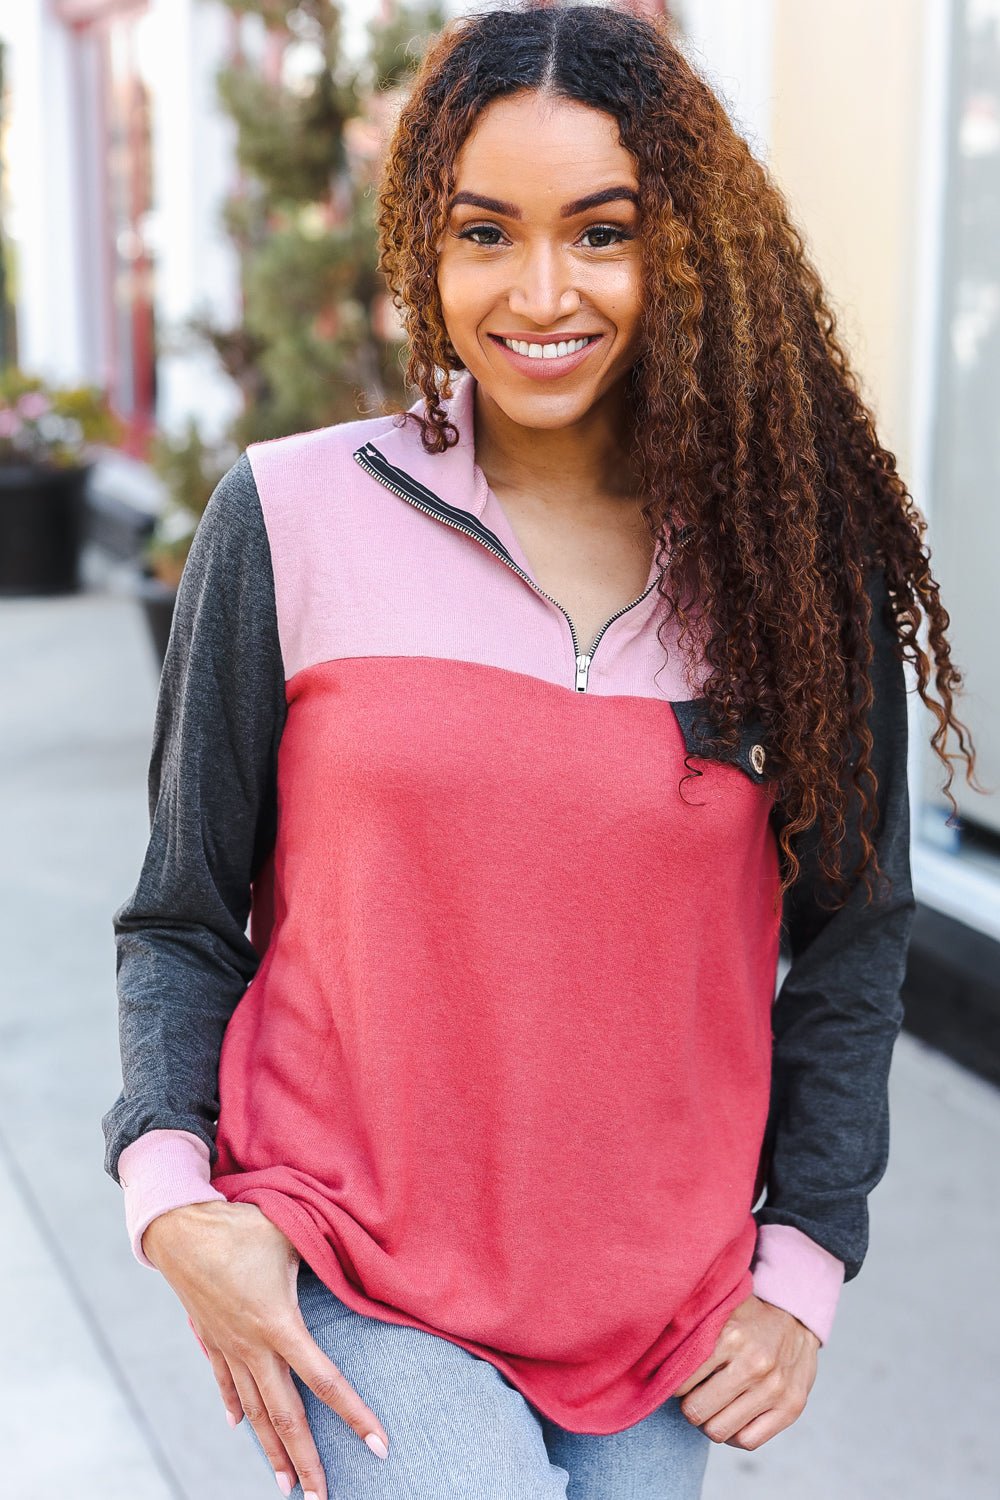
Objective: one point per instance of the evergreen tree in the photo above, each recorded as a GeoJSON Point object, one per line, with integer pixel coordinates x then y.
{"type": "Point", "coordinates": [312, 337]}
{"type": "Point", "coordinates": [315, 343]}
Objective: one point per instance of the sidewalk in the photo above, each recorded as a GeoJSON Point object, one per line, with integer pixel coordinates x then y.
{"type": "Point", "coordinates": [103, 1392]}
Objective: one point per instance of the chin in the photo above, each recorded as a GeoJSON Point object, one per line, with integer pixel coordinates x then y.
{"type": "Point", "coordinates": [541, 409]}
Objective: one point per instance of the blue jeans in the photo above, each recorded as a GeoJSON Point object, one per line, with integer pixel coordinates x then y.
{"type": "Point", "coordinates": [458, 1430]}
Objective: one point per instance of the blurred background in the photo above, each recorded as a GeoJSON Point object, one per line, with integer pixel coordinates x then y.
{"type": "Point", "coordinates": [187, 265]}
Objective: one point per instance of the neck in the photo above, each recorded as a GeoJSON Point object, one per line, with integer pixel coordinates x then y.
{"type": "Point", "coordinates": [588, 460]}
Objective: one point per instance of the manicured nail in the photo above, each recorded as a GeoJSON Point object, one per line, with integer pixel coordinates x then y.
{"type": "Point", "coordinates": [376, 1444]}
{"type": "Point", "coordinates": [284, 1484]}
{"type": "Point", "coordinates": [310, 1495]}
{"type": "Point", "coordinates": [230, 1419]}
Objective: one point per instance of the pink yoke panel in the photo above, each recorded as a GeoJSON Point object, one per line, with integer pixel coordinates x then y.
{"type": "Point", "coordinates": [359, 571]}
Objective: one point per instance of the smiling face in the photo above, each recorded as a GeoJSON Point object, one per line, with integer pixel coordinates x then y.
{"type": "Point", "coordinates": [539, 271]}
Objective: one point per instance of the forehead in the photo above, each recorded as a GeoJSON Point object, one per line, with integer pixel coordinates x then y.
{"type": "Point", "coordinates": [537, 150]}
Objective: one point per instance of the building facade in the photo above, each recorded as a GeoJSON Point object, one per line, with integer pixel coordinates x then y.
{"type": "Point", "coordinates": [116, 163]}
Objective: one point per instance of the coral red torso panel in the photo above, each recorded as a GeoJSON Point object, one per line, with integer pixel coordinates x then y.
{"type": "Point", "coordinates": [503, 1072]}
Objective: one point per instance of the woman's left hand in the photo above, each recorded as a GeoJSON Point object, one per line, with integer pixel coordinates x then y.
{"type": "Point", "coordinates": [757, 1379]}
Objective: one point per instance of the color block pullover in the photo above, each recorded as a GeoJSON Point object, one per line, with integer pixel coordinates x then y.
{"type": "Point", "coordinates": [501, 1054]}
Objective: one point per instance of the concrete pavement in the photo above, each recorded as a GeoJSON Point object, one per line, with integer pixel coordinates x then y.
{"type": "Point", "coordinates": [131, 1393]}
{"type": "Point", "coordinates": [103, 1392]}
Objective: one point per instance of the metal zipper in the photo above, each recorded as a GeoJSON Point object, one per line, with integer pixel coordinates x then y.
{"type": "Point", "coordinates": [583, 662]}
{"type": "Point", "coordinates": [481, 535]}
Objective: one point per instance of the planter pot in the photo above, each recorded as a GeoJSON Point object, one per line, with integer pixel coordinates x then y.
{"type": "Point", "coordinates": [41, 527]}
{"type": "Point", "coordinates": [157, 601]}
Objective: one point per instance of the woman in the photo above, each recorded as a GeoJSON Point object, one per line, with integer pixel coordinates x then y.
{"type": "Point", "coordinates": [528, 717]}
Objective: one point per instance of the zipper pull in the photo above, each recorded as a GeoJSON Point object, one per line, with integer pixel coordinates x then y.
{"type": "Point", "coordinates": [582, 672]}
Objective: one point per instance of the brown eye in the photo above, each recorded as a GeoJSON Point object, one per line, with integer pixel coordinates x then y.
{"type": "Point", "coordinates": [601, 236]}
{"type": "Point", "coordinates": [490, 234]}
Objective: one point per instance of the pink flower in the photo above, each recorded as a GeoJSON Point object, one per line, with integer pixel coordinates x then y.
{"type": "Point", "coordinates": [10, 423]}
{"type": "Point", "coordinates": [32, 405]}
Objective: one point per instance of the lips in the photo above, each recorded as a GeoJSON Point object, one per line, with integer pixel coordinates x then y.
{"type": "Point", "coordinates": [541, 359]}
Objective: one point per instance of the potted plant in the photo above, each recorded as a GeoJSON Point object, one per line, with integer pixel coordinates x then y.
{"type": "Point", "coordinates": [48, 437]}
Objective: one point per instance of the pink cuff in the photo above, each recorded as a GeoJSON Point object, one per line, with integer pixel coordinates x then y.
{"type": "Point", "coordinates": [163, 1169]}
{"type": "Point", "coordinates": [794, 1273]}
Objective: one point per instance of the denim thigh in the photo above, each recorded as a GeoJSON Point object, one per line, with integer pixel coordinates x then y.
{"type": "Point", "coordinates": [458, 1429]}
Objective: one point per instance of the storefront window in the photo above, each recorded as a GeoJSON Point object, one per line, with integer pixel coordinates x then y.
{"type": "Point", "coordinates": [965, 513]}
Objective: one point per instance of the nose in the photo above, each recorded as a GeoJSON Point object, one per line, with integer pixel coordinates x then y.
{"type": "Point", "coordinates": [543, 290]}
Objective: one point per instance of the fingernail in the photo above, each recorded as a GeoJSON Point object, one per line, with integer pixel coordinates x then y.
{"type": "Point", "coordinates": [310, 1495]}
{"type": "Point", "coordinates": [230, 1419]}
{"type": "Point", "coordinates": [284, 1484]}
{"type": "Point", "coordinates": [376, 1444]}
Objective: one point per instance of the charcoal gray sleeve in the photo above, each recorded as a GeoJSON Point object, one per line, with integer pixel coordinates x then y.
{"type": "Point", "coordinates": [184, 959]}
{"type": "Point", "coordinates": [838, 1011]}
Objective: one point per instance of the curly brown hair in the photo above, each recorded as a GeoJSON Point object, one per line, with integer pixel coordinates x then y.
{"type": "Point", "coordinates": [752, 437]}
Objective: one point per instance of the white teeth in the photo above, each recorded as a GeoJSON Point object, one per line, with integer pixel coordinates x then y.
{"type": "Point", "coordinates": [546, 351]}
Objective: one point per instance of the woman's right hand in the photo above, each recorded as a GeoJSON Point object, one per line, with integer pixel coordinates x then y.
{"type": "Point", "coordinates": [236, 1274]}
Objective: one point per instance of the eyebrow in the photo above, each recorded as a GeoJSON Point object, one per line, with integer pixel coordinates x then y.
{"type": "Point", "coordinates": [568, 210]}
{"type": "Point", "coordinates": [491, 205]}
{"type": "Point", "coordinates": [597, 200]}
